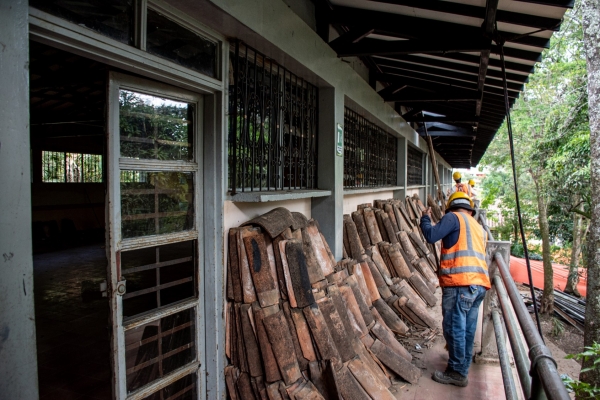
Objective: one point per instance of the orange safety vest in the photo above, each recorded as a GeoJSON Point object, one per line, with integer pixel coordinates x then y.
{"type": "Point", "coordinates": [463, 187]}
{"type": "Point", "coordinates": [464, 263]}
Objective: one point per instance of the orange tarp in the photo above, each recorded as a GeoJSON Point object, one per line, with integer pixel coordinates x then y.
{"type": "Point", "coordinates": [518, 270]}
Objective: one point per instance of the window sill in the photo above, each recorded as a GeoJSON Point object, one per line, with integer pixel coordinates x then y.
{"type": "Point", "coordinates": [349, 192]}
{"type": "Point", "coordinates": [262, 197]}
{"type": "Point", "coordinates": [416, 187]}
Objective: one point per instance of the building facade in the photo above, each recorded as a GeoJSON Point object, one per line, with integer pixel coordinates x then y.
{"type": "Point", "coordinates": [134, 135]}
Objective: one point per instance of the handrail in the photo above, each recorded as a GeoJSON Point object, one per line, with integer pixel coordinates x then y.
{"type": "Point", "coordinates": [543, 365]}
{"type": "Point", "coordinates": [510, 390]}
{"type": "Point", "coordinates": [514, 336]}
{"type": "Point", "coordinates": [537, 372]}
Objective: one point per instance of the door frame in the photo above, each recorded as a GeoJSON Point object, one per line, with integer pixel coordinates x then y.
{"type": "Point", "coordinates": [59, 33]}
{"type": "Point", "coordinates": [116, 244]}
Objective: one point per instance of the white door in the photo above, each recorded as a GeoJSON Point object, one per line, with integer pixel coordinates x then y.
{"type": "Point", "coordinates": [155, 227]}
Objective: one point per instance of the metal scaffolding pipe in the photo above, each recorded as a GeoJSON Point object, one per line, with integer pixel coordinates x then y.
{"type": "Point", "coordinates": [514, 336]}
{"type": "Point", "coordinates": [510, 389]}
{"type": "Point", "coordinates": [540, 356]}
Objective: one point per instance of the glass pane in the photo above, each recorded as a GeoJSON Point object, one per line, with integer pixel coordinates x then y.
{"type": "Point", "coordinates": [156, 202]}
{"type": "Point", "coordinates": [53, 166]}
{"type": "Point", "coordinates": [92, 168]}
{"type": "Point", "coordinates": [112, 18]}
{"type": "Point", "coordinates": [159, 347]}
{"type": "Point", "coordinates": [169, 40]}
{"type": "Point", "coordinates": [183, 389]}
{"type": "Point", "coordinates": [152, 127]}
{"type": "Point", "coordinates": [158, 276]}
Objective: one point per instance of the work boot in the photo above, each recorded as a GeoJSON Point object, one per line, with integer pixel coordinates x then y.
{"type": "Point", "coordinates": [450, 377]}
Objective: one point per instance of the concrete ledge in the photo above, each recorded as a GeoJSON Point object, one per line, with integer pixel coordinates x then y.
{"type": "Point", "coordinates": [349, 192]}
{"type": "Point", "coordinates": [262, 197]}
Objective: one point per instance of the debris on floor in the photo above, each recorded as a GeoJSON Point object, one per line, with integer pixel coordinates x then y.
{"type": "Point", "coordinates": [300, 325]}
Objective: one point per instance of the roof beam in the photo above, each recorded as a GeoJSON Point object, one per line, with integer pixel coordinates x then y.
{"type": "Point", "coordinates": [397, 66]}
{"type": "Point", "coordinates": [417, 80]}
{"type": "Point", "coordinates": [554, 3]}
{"type": "Point", "coordinates": [354, 35]}
{"type": "Point", "coordinates": [442, 133]}
{"type": "Point", "coordinates": [489, 22]}
{"type": "Point", "coordinates": [472, 59]}
{"type": "Point", "coordinates": [425, 97]}
{"type": "Point", "coordinates": [402, 82]}
{"type": "Point", "coordinates": [416, 28]}
{"type": "Point", "coordinates": [372, 47]}
{"type": "Point", "coordinates": [466, 10]}
{"type": "Point", "coordinates": [436, 62]}
{"type": "Point", "coordinates": [451, 118]}
{"type": "Point", "coordinates": [518, 53]}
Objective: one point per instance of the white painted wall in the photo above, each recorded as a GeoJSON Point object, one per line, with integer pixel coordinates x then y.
{"type": "Point", "coordinates": [353, 200]}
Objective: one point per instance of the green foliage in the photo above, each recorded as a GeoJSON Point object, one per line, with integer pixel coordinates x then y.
{"type": "Point", "coordinates": [558, 328]}
{"type": "Point", "coordinates": [585, 390]}
{"type": "Point", "coordinates": [552, 150]}
{"type": "Point", "coordinates": [517, 250]}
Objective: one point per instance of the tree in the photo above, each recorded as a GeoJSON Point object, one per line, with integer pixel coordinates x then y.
{"type": "Point", "coordinates": [550, 126]}
{"type": "Point", "coordinates": [590, 16]}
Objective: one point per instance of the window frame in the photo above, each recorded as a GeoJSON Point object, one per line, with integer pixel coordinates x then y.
{"type": "Point", "coordinates": [382, 139]}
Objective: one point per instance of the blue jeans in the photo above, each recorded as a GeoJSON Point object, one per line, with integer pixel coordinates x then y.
{"type": "Point", "coordinates": [460, 309]}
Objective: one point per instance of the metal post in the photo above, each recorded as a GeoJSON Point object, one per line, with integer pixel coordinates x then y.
{"type": "Point", "coordinates": [510, 389]}
{"type": "Point", "coordinates": [543, 364]}
{"type": "Point", "coordinates": [516, 341]}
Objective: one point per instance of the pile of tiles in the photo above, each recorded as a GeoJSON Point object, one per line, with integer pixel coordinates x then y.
{"type": "Point", "coordinates": [301, 326]}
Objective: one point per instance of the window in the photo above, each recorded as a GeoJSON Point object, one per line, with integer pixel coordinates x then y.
{"type": "Point", "coordinates": [272, 126]}
{"type": "Point", "coordinates": [162, 37]}
{"type": "Point", "coordinates": [61, 167]}
{"type": "Point", "coordinates": [370, 153]}
{"type": "Point", "coordinates": [169, 40]}
{"type": "Point", "coordinates": [414, 167]}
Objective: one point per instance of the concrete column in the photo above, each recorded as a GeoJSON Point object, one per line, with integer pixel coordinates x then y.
{"type": "Point", "coordinates": [401, 169]}
{"type": "Point", "coordinates": [489, 349]}
{"type": "Point", "coordinates": [330, 170]}
{"type": "Point", "coordinates": [18, 363]}
{"type": "Point", "coordinates": [426, 168]}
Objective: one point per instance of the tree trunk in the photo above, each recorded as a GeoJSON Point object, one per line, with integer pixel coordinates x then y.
{"type": "Point", "coordinates": [573, 278]}
{"type": "Point", "coordinates": [590, 11]}
{"type": "Point", "coordinates": [548, 295]}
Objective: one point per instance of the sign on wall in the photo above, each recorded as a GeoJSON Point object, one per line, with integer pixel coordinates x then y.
{"type": "Point", "coordinates": [339, 148]}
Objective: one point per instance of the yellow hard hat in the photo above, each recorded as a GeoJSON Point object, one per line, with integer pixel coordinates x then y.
{"type": "Point", "coordinates": [456, 176]}
{"type": "Point", "coordinates": [459, 200]}
{"type": "Point", "coordinates": [471, 182]}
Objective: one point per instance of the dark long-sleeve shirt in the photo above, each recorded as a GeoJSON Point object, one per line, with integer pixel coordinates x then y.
{"type": "Point", "coordinates": [447, 229]}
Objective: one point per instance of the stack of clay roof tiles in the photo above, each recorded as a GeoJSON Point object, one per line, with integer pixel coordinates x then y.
{"type": "Point", "coordinates": [302, 326]}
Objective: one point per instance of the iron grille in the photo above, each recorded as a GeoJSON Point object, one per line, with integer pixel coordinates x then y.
{"type": "Point", "coordinates": [370, 153]}
{"type": "Point", "coordinates": [414, 167]}
{"type": "Point", "coordinates": [272, 125]}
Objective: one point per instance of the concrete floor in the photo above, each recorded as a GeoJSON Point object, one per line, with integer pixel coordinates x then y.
{"type": "Point", "coordinates": [485, 380]}
{"type": "Point", "coordinates": [72, 324]}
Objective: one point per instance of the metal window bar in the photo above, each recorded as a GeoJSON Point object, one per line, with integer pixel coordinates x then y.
{"type": "Point", "coordinates": [370, 153]}
{"type": "Point", "coordinates": [545, 382]}
{"type": "Point", "coordinates": [61, 167]}
{"type": "Point", "coordinates": [272, 125]}
{"type": "Point", "coordinates": [414, 166]}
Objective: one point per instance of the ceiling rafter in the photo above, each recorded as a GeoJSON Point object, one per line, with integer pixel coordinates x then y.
{"type": "Point", "coordinates": [467, 10]}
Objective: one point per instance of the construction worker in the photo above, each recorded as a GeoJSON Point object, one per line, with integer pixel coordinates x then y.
{"type": "Point", "coordinates": [471, 186]}
{"type": "Point", "coordinates": [459, 187]}
{"type": "Point", "coordinates": [463, 276]}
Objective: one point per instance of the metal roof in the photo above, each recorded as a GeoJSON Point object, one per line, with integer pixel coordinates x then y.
{"type": "Point", "coordinates": [439, 57]}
